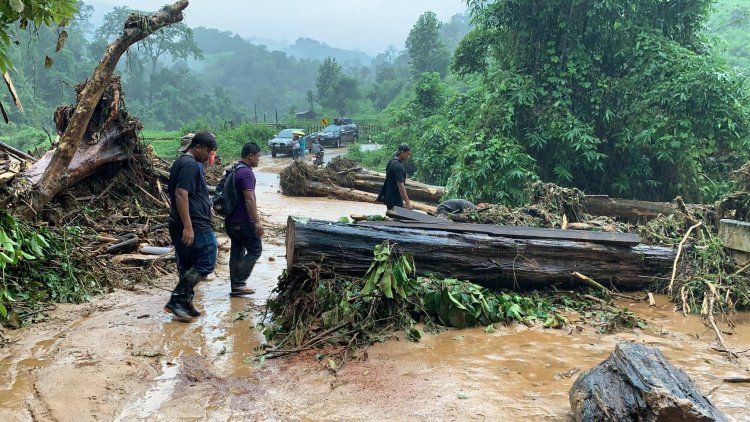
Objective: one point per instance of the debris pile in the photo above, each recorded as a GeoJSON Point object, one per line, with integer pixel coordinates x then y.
{"type": "Point", "coordinates": [106, 229]}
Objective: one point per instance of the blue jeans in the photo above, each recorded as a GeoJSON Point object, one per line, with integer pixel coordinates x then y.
{"type": "Point", "coordinates": [200, 256]}
{"type": "Point", "coordinates": [244, 253]}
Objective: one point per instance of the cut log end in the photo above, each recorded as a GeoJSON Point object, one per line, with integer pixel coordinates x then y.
{"type": "Point", "coordinates": [636, 382]}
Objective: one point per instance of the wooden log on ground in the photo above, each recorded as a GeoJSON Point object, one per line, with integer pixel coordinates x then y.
{"type": "Point", "coordinates": [370, 181]}
{"type": "Point", "coordinates": [637, 383]}
{"type": "Point", "coordinates": [607, 238]}
{"type": "Point", "coordinates": [322, 189]}
{"type": "Point", "coordinates": [492, 261]}
{"type": "Point", "coordinates": [128, 245]}
{"type": "Point", "coordinates": [628, 209]}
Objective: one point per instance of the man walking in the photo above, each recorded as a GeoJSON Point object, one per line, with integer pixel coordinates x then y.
{"type": "Point", "coordinates": [243, 225]}
{"type": "Point", "coordinates": [190, 224]}
{"type": "Point", "coordinates": [393, 193]}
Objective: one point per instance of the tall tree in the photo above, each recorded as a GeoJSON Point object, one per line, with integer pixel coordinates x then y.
{"type": "Point", "coordinates": [22, 15]}
{"type": "Point", "coordinates": [426, 49]}
{"type": "Point", "coordinates": [620, 97]}
{"type": "Point", "coordinates": [329, 74]}
{"type": "Point", "coordinates": [176, 40]}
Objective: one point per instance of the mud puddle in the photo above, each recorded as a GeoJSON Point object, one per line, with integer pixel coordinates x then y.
{"type": "Point", "coordinates": [122, 358]}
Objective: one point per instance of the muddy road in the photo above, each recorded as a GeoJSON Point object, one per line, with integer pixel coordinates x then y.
{"type": "Point", "coordinates": [121, 358]}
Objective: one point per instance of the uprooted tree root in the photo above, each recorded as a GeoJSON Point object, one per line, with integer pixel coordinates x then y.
{"type": "Point", "coordinates": [70, 263]}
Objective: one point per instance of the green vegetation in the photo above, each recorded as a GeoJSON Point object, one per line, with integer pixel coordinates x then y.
{"type": "Point", "coordinates": [309, 311]}
{"type": "Point", "coordinates": [38, 265]}
{"type": "Point", "coordinates": [26, 14]}
{"type": "Point", "coordinates": [730, 23]}
{"type": "Point", "coordinates": [621, 98]}
{"type": "Point", "coordinates": [230, 138]}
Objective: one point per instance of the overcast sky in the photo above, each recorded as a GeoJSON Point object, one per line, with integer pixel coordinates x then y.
{"type": "Point", "coordinates": [365, 25]}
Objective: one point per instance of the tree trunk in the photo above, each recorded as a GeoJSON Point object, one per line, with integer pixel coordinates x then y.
{"type": "Point", "coordinates": [371, 181]}
{"type": "Point", "coordinates": [637, 383]}
{"type": "Point", "coordinates": [492, 261]}
{"type": "Point", "coordinates": [323, 189]}
{"type": "Point", "coordinates": [628, 209]}
{"type": "Point", "coordinates": [56, 174]}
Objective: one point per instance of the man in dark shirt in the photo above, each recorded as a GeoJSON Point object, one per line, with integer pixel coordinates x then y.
{"type": "Point", "coordinates": [190, 224]}
{"type": "Point", "coordinates": [243, 224]}
{"type": "Point", "coordinates": [393, 193]}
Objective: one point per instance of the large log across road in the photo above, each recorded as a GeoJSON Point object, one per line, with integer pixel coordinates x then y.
{"type": "Point", "coordinates": [623, 239]}
{"type": "Point", "coordinates": [489, 260]}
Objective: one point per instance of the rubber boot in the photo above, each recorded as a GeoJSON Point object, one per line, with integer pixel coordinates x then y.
{"type": "Point", "coordinates": [193, 278]}
{"type": "Point", "coordinates": [179, 303]}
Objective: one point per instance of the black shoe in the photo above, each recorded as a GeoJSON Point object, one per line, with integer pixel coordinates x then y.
{"type": "Point", "coordinates": [179, 312]}
{"type": "Point", "coordinates": [192, 311]}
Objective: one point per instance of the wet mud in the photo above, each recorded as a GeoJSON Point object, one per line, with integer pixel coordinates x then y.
{"type": "Point", "coordinates": [121, 358]}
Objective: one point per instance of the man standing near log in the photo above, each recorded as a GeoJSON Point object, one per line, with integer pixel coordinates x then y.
{"type": "Point", "coordinates": [393, 193]}
{"type": "Point", "coordinates": [243, 225]}
{"type": "Point", "coordinates": [190, 225]}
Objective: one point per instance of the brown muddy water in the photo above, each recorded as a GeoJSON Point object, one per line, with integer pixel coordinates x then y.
{"type": "Point", "coordinates": [121, 358]}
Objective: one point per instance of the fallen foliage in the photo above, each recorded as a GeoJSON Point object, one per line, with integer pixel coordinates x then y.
{"type": "Point", "coordinates": [341, 314]}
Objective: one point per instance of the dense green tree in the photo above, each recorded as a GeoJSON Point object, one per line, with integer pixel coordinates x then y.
{"type": "Point", "coordinates": [620, 97]}
{"type": "Point", "coordinates": [175, 41]}
{"type": "Point", "coordinates": [27, 14]}
{"type": "Point", "coordinates": [329, 73]}
{"type": "Point", "coordinates": [426, 49]}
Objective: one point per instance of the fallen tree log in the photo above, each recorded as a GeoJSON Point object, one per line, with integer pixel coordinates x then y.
{"type": "Point", "coordinates": [637, 383]}
{"type": "Point", "coordinates": [629, 209]}
{"type": "Point", "coordinates": [623, 239]}
{"type": "Point", "coordinates": [370, 181]}
{"type": "Point", "coordinates": [75, 126]}
{"type": "Point", "coordinates": [492, 261]}
{"type": "Point", "coordinates": [323, 189]}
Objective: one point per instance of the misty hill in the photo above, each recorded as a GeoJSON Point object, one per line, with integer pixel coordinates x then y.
{"type": "Point", "coordinates": [307, 48]}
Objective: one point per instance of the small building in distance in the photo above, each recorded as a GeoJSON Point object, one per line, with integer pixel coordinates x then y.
{"type": "Point", "coordinates": [306, 115]}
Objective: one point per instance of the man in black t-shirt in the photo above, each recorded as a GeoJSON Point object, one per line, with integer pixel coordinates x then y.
{"type": "Point", "coordinates": [190, 224]}
{"type": "Point", "coordinates": [393, 193]}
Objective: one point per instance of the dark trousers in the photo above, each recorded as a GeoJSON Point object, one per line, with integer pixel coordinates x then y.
{"type": "Point", "coordinates": [245, 251]}
{"type": "Point", "coordinates": [194, 262]}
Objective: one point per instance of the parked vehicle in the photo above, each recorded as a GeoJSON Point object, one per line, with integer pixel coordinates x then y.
{"type": "Point", "coordinates": [335, 135]}
{"type": "Point", "coordinates": [282, 143]}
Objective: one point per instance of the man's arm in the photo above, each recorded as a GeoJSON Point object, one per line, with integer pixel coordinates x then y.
{"type": "Point", "coordinates": [183, 209]}
{"type": "Point", "coordinates": [252, 210]}
{"type": "Point", "coordinates": [404, 196]}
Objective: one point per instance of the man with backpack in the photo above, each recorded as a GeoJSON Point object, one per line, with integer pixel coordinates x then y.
{"type": "Point", "coordinates": [242, 222]}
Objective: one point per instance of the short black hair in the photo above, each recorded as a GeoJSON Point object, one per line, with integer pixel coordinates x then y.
{"type": "Point", "coordinates": [204, 139]}
{"type": "Point", "coordinates": [250, 148]}
{"type": "Point", "coordinates": [404, 147]}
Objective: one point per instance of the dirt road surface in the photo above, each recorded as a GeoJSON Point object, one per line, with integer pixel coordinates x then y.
{"type": "Point", "coordinates": [120, 358]}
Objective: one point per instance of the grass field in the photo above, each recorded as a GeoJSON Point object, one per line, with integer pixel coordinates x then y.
{"type": "Point", "coordinates": [164, 143]}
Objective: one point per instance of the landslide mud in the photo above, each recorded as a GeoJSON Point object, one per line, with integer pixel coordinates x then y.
{"type": "Point", "coordinates": [121, 358]}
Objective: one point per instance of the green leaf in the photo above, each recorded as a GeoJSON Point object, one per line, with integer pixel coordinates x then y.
{"type": "Point", "coordinates": [17, 5]}
{"type": "Point", "coordinates": [3, 311]}
{"type": "Point", "coordinates": [490, 329]}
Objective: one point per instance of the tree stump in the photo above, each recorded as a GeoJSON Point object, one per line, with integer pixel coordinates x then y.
{"type": "Point", "coordinates": [637, 383]}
